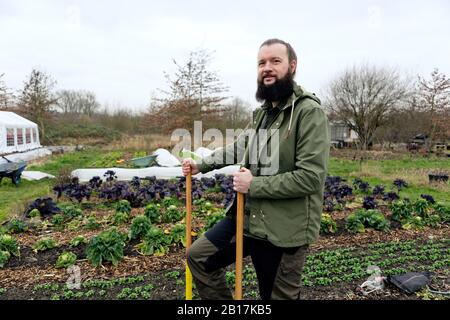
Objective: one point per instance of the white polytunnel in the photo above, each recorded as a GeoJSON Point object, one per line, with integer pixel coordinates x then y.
{"type": "Point", "coordinates": [17, 134]}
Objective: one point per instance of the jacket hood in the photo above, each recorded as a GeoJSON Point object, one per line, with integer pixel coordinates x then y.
{"type": "Point", "coordinates": [300, 93]}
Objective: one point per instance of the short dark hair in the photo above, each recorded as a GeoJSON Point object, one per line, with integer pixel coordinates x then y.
{"type": "Point", "coordinates": [290, 51]}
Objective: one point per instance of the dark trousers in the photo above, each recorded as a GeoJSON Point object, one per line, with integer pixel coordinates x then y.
{"type": "Point", "coordinates": [278, 269]}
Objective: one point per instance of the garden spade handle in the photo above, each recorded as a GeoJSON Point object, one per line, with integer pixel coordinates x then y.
{"type": "Point", "coordinates": [188, 233]}
{"type": "Point", "coordinates": [239, 245]}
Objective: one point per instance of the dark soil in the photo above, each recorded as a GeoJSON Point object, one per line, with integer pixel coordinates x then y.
{"type": "Point", "coordinates": [172, 288]}
{"type": "Point", "coordinates": [21, 274]}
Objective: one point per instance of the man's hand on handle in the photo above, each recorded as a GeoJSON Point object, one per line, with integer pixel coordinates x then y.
{"type": "Point", "coordinates": [189, 166]}
{"type": "Point", "coordinates": [242, 180]}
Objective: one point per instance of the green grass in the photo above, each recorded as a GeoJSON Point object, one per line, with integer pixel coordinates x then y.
{"type": "Point", "coordinates": [90, 158]}
{"type": "Point", "coordinates": [383, 172]}
{"type": "Point", "coordinates": [414, 171]}
{"type": "Point", "coordinates": [342, 167]}
{"type": "Point", "coordinates": [13, 200]}
{"type": "Point", "coordinates": [392, 166]}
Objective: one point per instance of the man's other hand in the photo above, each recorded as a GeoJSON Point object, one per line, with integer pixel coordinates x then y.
{"type": "Point", "coordinates": [242, 180]}
{"type": "Point", "coordinates": [189, 166]}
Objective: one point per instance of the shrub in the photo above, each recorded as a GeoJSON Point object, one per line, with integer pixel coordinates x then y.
{"type": "Point", "coordinates": [9, 244]}
{"type": "Point", "coordinates": [123, 206]}
{"type": "Point", "coordinates": [172, 214]}
{"type": "Point", "coordinates": [375, 219]}
{"type": "Point", "coordinates": [110, 175]}
{"type": "Point", "coordinates": [121, 217]}
{"type": "Point", "coordinates": [169, 201]}
{"type": "Point", "coordinates": [363, 187]}
{"type": "Point", "coordinates": [71, 212]}
{"type": "Point", "coordinates": [421, 207]}
{"type": "Point", "coordinates": [401, 210]}
{"type": "Point", "coordinates": [433, 220]}
{"type": "Point", "coordinates": [442, 211]}
{"type": "Point", "coordinates": [58, 222]}
{"type": "Point", "coordinates": [4, 257]}
{"type": "Point", "coordinates": [400, 183]}
{"type": "Point", "coordinates": [354, 224]}
{"type": "Point", "coordinates": [58, 131]}
{"type": "Point", "coordinates": [214, 218]}
{"type": "Point", "coordinates": [369, 203]}
{"type": "Point", "coordinates": [34, 213]}
{"type": "Point", "coordinates": [327, 224]}
{"type": "Point", "coordinates": [390, 196]}
{"type": "Point", "coordinates": [139, 227]}
{"type": "Point", "coordinates": [361, 219]}
{"type": "Point", "coordinates": [78, 240]}
{"type": "Point", "coordinates": [153, 212]}
{"type": "Point", "coordinates": [17, 226]}
{"type": "Point", "coordinates": [178, 234]}
{"type": "Point", "coordinates": [74, 224]}
{"type": "Point", "coordinates": [45, 206]}
{"type": "Point", "coordinates": [414, 222]}
{"type": "Point", "coordinates": [378, 190]}
{"type": "Point", "coordinates": [45, 244]}
{"type": "Point", "coordinates": [66, 259]}
{"type": "Point", "coordinates": [92, 224]}
{"type": "Point", "coordinates": [107, 246]}
{"type": "Point", "coordinates": [328, 205]}
{"type": "Point", "coordinates": [419, 214]}
{"type": "Point", "coordinates": [428, 197]}
{"type": "Point", "coordinates": [155, 242]}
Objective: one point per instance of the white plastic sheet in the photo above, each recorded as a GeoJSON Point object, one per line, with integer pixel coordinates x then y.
{"type": "Point", "coordinates": [124, 174]}
{"type": "Point", "coordinates": [36, 175]}
{"type": "Point", "coordinates": [166, 159]}
{"type": "Point", "coordinates": [169, 167]}
{"type": "Point", "coordinates": [203, 152]}
{"type": "Point", "coordinates": [27, 156]}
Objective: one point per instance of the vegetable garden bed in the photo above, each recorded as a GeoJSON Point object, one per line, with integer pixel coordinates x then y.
{"type": "Point", "coordinates": [127, 240]}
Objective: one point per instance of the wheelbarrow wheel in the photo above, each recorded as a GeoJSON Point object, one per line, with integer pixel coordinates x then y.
{"type": "Point", "coordinates": [16, 179]}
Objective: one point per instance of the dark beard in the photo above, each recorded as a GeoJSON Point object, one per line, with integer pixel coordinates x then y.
{"type": "Point", "coordinates": [279, 90]}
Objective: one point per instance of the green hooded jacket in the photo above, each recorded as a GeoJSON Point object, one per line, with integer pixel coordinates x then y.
{"type": "Point", "coordinates": [284, 202]}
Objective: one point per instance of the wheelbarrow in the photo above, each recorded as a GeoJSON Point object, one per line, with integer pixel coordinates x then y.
{"type": "Point", "coordinates": [144, 162]}
{"type": "Point", "coordinates": [12, 170]}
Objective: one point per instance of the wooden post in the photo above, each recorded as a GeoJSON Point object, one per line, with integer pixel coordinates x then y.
{"type": "Point", "coordinates": [188, 233]}
{"type": "Point", "coordinates": [239, 245]}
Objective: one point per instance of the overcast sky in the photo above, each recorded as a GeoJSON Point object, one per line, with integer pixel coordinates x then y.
{"type": "Point", "coordinates": [120, 49]}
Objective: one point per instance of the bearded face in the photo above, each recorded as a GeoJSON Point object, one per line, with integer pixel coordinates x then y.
{"type": "Point", "coordinates": [272, 89]}
{"type": "Point", "coordinates": [275, 73]}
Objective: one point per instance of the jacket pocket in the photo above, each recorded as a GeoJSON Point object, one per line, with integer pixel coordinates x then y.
{"type": "Point", "coordinates": [285, 220]}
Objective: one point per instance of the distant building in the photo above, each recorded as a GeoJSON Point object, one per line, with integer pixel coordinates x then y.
{"type": "Point", "coordinates": [341, 135]}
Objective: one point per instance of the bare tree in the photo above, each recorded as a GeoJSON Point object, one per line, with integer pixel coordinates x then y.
{"type": "Point", "coordinates": [67, 101]}
{"type": "Point", "coordinates": [77, 102]}
{"type": "Point", "coordinates": [434, 102]}
{"type": "Point", "coordinates": [195, 93]}
{"type": "Point", "coordinates": [88, 103]}
{"type": "Point", "coordinates": [193, 81]}
{"type": "Point", "coordinates": [237, 113]}
{"type": "Point", "coordinates": [5, 94]}
{"type": "Point", "coordinates": [363, 97]}
{"type": "Point", "coordinates": [36, 99]}
{"type": "Point", "coordinates": [401, 126]}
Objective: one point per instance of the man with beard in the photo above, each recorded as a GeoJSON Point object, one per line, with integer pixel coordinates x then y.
{"type": "Point", "coordinates": [282, 208]}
